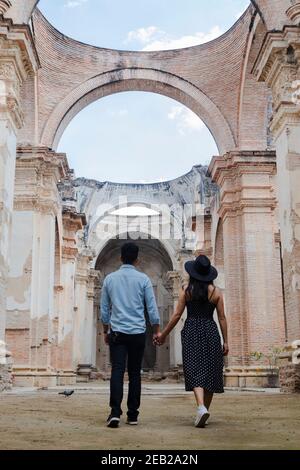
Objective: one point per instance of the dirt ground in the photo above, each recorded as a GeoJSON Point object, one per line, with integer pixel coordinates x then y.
{"type": "Point", "coordinates": [47, 420]}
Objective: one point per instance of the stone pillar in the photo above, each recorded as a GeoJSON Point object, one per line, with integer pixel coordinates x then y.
{"type": "Point", "coordinates": [92, 324]}
{"type": "Point", "coordinates": [103, 355]}
{"type": "Point", "coordinates": [254, 301]}
{"type": "Point", "coordinates": [84, 316]}
{"type": "Point", "coordinates": [278, 64]}
{"type": "Point", "coordinates": [17, 61]}
{"type": "Point", "coordinates": [32, 287]}
{"type": "Point", "coordinates": [203, 233]}
{"type": "Point", "coordinates": [72, 223]}
{"type": "Point", "coordinates": [173, 282]}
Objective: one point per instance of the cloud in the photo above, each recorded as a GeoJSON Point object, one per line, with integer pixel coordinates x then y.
{"type": "Point", "coordinates": [186, 120]}
{"type": "Point", "coordinates": [153, 39]}
{"type": "Point", "coordinates": [120, 113]}
{"type": "Point", "coordinates": [143, 35]}
{"type": "Point", "coordinates": [75, 3]}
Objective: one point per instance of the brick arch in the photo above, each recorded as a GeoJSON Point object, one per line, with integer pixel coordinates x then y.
{"type": "Point", "coordinates": [138, 79]}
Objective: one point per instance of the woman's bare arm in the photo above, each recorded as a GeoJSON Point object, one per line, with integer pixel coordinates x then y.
{"type": "Point", "coordinates": [218, 300]}
{"type": "Point", "coordinates": [175, 317]}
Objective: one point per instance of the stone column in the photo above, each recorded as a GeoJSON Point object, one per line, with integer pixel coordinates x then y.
{"type": "Point", "coordinates": [203, 232]}
{"type": "Point", "coordinates": [173, 282]}
{"type": "Point", "coordinates": [92, 323]}
{"type": "Point", "coordinates": [254, 301]}
{"type": "Point", "coordinates": [17, 61]}
{"type": "Point", "coordinates": [31, 309]}
{"type": "Point", "coordinates": [279, 66]}
{"type": "Point", "coordinates": [84, 316]}
{"type": "Point", "coordinates": [72, 223]}
{"type": "Point", "coordinates": [103, 355]}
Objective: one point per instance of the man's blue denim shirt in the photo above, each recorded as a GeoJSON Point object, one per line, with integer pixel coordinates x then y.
{"type": "Point", "coordinates": [125, 295]}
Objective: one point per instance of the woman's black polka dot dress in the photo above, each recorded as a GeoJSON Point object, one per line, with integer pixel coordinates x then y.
{"type": "Point", "coordinates": [202, 351]}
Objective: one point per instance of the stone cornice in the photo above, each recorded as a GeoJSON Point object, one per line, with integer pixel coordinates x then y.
{"type": "Point", "coordinates": [237, 194]}
{"type": "Point", "coordinates": [33, 156]}
{"type": "Point", "coordinates": [241, 162]}
{"type": "Point", "coordinates": [36, 202]}
{"type": "Point", "coordinates": [38, 171]}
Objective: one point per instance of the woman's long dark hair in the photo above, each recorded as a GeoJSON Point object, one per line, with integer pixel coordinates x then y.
{"type": "Point", "coordinates": [197, 290]}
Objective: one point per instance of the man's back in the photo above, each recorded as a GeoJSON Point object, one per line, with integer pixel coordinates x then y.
{"type": "Point", "coordinates": [125, 295]}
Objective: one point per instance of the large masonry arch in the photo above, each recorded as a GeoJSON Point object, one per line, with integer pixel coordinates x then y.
{"type": "Point", "coordinates": [204, 78]}
{"type": "Point", "coordinates": [138, 79]}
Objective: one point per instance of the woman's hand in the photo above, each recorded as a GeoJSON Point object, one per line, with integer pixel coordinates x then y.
{"type": "Point", "coordinates": [225, 349]}
{"type": "Point", "coordinates": [160, 339]}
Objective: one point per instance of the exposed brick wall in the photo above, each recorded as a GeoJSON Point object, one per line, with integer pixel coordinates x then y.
{"type": "Point", "coordinates": [252, 265]}
{"type": "Point", "coordinates": [18, 343]}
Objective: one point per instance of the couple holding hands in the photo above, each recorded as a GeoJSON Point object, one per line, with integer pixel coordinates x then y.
{"type": "Point", "coordinates": [125, 294]}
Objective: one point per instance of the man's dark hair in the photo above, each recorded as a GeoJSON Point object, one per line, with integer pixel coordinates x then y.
{"type": "Point", "coordinates": [129, 253]}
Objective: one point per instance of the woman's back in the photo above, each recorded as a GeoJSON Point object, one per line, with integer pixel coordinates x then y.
{"type": "Point", "coordinates": [203, 308]}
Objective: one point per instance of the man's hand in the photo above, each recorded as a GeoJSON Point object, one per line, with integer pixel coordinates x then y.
{"type": "Point", "coordinates": [160, 339]}
{"type": "Point", "coordinates": [155, 339]}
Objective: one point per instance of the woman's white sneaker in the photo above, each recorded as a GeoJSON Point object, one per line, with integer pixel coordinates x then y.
{"type": "Point", "coordinates": [202, 417]}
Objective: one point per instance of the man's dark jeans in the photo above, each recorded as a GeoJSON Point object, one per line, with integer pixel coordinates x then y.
{"type": "Point", "coordinates": [124, 348]}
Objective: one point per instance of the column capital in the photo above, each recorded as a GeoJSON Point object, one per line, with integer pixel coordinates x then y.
{"type": "Point", "coordinates": [38, 172]}
{"type": "Point", "coordinates": [17, 46]}
{"type": "Point", "coordinates": [278, 64]}
{"type": "Point", "coordinates": [245, 181]}
{"type": "Point", "coordinates": [244, 161]}
{"type": "Point", "coordinates": [18, 59]}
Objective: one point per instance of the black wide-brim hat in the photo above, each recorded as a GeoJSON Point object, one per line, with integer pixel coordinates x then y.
{"type": "Point", "coordinates": [201, 269]}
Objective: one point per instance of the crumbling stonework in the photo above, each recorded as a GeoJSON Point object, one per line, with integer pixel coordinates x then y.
{"type": "Point", "coordinates": [5, 377]}
{"type": "Point", "coordinates": [290, 378]}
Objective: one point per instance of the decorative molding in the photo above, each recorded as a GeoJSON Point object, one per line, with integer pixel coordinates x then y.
{"type": "Point", "coordinates": [278, 64]}
{"type": "Point", "coordinates": [4, 6]}
{"type": "Point", "coordinates": [293, 13]}
{"type": "Point", "coordinates": [236, 196]}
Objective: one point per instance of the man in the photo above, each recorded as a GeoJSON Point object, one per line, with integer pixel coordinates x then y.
{"type": "Point", "coordinates": [126, 294]}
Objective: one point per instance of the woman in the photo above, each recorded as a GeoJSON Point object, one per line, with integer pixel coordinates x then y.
{"type": "Point", "coordinates": [202, 350]}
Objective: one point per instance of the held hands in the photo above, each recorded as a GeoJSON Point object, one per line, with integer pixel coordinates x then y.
{"type": "Point", "coordinates": [159, 339]}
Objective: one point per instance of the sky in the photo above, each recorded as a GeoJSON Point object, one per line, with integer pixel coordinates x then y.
{"type": "Point", "coordinates": [137, 137]}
